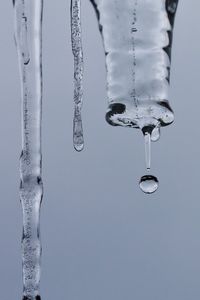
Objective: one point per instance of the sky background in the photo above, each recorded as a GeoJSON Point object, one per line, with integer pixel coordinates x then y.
{"type": "Point", "coordinates": [102, 237]}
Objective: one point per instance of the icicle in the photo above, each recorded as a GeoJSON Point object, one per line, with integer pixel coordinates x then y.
{"type": "Point", "coordinates": [28, 35]}
{"type": "Point", "coordinates": [137, 38]}
{"type": "Point", "coordinates": [78, 73]}
{"type": "Point", "coordinates": [147, 141]}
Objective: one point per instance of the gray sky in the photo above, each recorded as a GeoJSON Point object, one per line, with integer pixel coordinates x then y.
{"type": "Point", "coordinates": [102, 237]}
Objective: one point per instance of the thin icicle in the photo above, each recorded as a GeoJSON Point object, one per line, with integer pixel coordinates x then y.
{"type": "Point", "coordinates": [28, 36]}
{"type": "Point", "coordinates": [147, 141]}
{"type": "Point", "coordinates": [78, 73]}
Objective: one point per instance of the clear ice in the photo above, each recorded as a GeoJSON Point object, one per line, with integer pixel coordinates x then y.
{"type": "Point", "coordinates": [78, 73]}
{"type": "Point", "coordinates": [137, 38]}
{"type": "Point", "coordinates": [28, 37]}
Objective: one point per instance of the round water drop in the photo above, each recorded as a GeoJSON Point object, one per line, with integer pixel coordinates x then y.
{"type": "Point", "coordinates": [148, 184]}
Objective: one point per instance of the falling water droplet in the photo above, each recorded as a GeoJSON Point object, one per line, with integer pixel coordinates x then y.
{"type": "Point", "coordinates": [149, 184]}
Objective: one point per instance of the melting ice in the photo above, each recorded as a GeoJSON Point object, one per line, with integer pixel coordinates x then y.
{"type": "Point", "coordinates": [28, 36]}
{"type": "Point", "coordinates": [137, 38]}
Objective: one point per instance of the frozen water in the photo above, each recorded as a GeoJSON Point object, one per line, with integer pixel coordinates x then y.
{"type": "Point", "coordinates": [28, 35]}
{"type": "Point", "coordinates": [78, 73]}
{"type": "Point", "coordinates": [137, 38]}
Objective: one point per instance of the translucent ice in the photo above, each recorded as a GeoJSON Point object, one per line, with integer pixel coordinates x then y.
{"type": "Point", "coordinates": [28, 36]}
{"type": "Point", "coordinates": [137, 38]}
{"type": "Point", "coordinates": [78, 73]}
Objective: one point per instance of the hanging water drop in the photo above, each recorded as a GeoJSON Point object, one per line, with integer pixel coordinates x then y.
{"type": "Point", "coordinates": [155, 134]}
{"type": "Point", "coordinates": [148, 183]}
{"type": "Point", "coordinates": [78, 130]}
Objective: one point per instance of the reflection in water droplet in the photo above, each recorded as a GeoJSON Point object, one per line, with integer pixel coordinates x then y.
{"type": "Point", "coordinates": [149, 184]}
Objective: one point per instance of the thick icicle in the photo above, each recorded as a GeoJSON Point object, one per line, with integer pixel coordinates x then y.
{"type": "Point", "coordinates": [137, 38]}
{"type": "Point", "coordinates": [28, 36]}
{"type": "Point", "coordinates": [78, 73]}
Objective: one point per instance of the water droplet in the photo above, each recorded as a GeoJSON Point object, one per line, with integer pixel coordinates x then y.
{"type": "Point", "coordinates": [155, 134]}
{"type": "Point", "coordinates": [78, 131]}
{"type": "Point", "coordinates": [149, 184]}
{"type": "Point", "coordinates": [79, 147]}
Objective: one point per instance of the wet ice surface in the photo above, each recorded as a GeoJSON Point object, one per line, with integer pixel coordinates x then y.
{"type": "Point", "coordinates": [137, 37]}
{"type": "Point", "coordinates": [28, 23]}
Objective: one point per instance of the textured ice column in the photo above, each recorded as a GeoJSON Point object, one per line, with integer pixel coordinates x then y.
{"type": "Point", "coordinates": [137, 37]}
{"type": "Point", "coordinates": [78, 73]}
{"type": "Point", "coordinates": [28, 35]}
